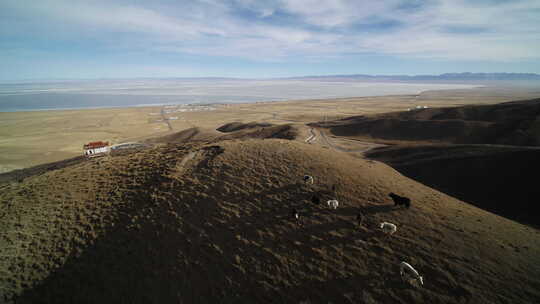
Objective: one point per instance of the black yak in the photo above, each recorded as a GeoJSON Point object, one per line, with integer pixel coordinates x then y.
{"type": "Point", "coordinates": [400, 200]}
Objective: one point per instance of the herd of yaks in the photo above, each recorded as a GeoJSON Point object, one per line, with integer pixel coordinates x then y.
{"type": "Point", "coordinates": [406, 271]}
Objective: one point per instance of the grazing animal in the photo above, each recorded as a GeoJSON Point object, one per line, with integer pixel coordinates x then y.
{"type": "Point", "coordinates": [388, 228]}
{"type": "Point", "coordinates": [296, 217]}
{"type": "Point", "coordinates": [295, 214]}
{"type": "Point", "coordinates": [308, 179]}
{"type": "Point", "coordinates": [408, 273]}
{"type": "Point", "coordinates": [359, 218]}
{"type": "Point", "coordinates": [315, 200]}
{"type": "Point", "coordinates": [400, 200]}
{"type": "Point", "coordinates": [333, 204]}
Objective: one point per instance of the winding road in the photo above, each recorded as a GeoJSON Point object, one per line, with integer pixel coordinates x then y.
{"type": "Point", "coordinates": [324, 140]}
{"type": "Point", "coordinates": [165, 119]}
{"type": "Point", "coordinates": [311, 137]}
{"type": "Point", "coordinates": [327, 141]}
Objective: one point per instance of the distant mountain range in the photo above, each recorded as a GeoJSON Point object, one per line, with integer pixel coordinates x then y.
{"type": "Point", "coordinates": [445, 77]}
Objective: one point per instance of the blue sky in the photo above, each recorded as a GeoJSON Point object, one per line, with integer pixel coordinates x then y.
{"type": "Point", "coordinates": [71, 39]}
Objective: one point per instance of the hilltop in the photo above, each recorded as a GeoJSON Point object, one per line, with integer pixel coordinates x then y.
{"type": "Point", "coordinates": [235, 130]}
{"type": "Point", "coordinates": [210, 222]}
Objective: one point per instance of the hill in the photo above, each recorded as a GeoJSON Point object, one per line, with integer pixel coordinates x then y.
{"type": "Point", "coordinates": [509, 123]}
{"type": "Point", "coordinates": [236, 126]}
{"type": "Point", "coordinates": [20, 174]}
{"type": "Point", "coordinates": [210, 222]}
{"type": "Point", "coordinates": [230, 131]}
{"type": "Point", "coordinates": [494, 178]}
{"type": "Point", "coordinates": [188, 135]}
{"type": "Point", "coordinates": [264, 131]}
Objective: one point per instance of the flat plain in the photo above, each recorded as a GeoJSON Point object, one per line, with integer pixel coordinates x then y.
{"type": "Point", "coordinates": [32, 138]}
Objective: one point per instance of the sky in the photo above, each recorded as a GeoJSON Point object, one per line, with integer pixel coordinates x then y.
{"type": "Point", "coordinates": [72, 39]}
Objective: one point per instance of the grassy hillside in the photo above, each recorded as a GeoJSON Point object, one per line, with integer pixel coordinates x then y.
{"type": "Point", "coordinates": [236, 126]}
{"type": "Point", "coordinates": [510, 123]}
{"type": "Point", "coordinates": [230, 131]}
{"type": "Point", "coordinates": [495, 178]}
{"type": "Point", "coordinates": [211, 223]}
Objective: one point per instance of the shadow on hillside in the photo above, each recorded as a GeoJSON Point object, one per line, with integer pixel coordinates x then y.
{"type": "Point", "coordinates": [346, 289]}
{"type": "Point", "coordinates": [166, 248]}
{"type": "Point", "coordinates": [180, 252]}
{"type": "Point", "coordinates": [148, 264]}
{"type": "Point", "coordinates": [374, 209]}
{"type": "Point", "coordinates": [289, 189]}
{"type": "Point", "coordinates": [20, 174]}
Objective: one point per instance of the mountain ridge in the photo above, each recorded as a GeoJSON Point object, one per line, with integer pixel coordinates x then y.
{"type": "Point", "coordinates": [461, 76]}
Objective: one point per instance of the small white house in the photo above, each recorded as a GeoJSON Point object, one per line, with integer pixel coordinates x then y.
{"type": "Point", "coordinates": [96, 148]}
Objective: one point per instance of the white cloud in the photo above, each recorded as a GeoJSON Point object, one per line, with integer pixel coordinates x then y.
{"type": "Point", "coordinates": [502, 32]}
{"type": "Point", "coordinates": [338, 12]}
{"type": "Point", "coordinates": [448, 29]}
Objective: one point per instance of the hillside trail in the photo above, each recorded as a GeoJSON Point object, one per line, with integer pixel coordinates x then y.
{"type": "Point", "coordinates": [318, 136]}
{"type": "Point", "coordinates": [324, 140]}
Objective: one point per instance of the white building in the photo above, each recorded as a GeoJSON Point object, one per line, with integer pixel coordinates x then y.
{"type": "Point", "coordinates": [96, 148]}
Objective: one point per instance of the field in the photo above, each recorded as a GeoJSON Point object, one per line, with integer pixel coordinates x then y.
{"type": "Point", "coordinates": [33, 138]}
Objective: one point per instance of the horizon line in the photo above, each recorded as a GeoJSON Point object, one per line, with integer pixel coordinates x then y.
{"type": "Point", "coordinates": [24, 80]}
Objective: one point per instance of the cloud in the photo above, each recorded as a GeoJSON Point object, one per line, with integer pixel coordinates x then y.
{"type": "Point", "coordinates": [338, 13]}
{"type": "Point", "coordinates": [457, 29]}
{"type": "Point", "coordinates": [277, 29]}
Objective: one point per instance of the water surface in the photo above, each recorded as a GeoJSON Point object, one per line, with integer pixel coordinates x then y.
{"type": "Point", "coordinates": [129, 93]}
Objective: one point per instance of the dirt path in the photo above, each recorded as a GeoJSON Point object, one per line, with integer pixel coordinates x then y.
{"type": "Point", "coordinates": [311, 137]}
{"type": "Point", "coordinates": [165, 119]}
{"type": "Point", "coordinates": [364, 146]}
{"type": "Point", "coordinates": [187, 158]}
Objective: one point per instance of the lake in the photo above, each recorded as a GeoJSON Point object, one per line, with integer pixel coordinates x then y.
{"type": "Point", "coordinates": [132, 93]}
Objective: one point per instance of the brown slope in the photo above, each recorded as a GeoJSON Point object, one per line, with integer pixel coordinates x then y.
{"type": "Point", "coordinates": [286, 131]}
{"type": "Point", "coordinates": [499, 179]}
{"type": "Point", "coordinates": [194, 134]}
{"type": "Point", "coordinates": [236, 126]}
{"type": "Point", "coordinates": [20, 174]}
{"type": "Point", "coordinates": [182, 223]}
{"type": "Point", "coordinates": [242, 131]}
{"type": "Point", "coordinates": [510, 123]}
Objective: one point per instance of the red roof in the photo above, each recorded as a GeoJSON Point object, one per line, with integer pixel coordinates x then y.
{"type": "Point", "coordinates": [96, 144]}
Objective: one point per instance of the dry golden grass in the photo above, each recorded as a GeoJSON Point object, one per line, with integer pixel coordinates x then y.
{"type": "Point", "coordinates": [211, 224]}
{"type": "Point", "coordinates": [33, 138]}
{"type": "Point", "coordinates": [204, 216]}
